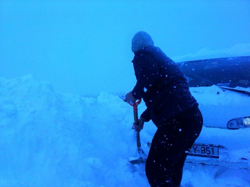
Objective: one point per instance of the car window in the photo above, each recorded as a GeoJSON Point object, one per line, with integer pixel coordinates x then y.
{"type": "Point", "coordinates": [232, 72]}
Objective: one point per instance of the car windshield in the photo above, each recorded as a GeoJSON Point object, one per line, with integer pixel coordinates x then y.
{"type": "Point", "coordinates": [231, 72]}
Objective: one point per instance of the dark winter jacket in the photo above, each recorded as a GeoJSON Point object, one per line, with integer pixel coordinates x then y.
{"type": "Point", "coordinates": [161, 84]}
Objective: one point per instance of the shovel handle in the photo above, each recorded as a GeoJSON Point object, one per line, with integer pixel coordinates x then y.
{"type": "Point", "coordinates": [135, 110]}
{"type": "Point", "coordinates": [138, 140]}
{"type": "Point", "coordinates": [136, 121]}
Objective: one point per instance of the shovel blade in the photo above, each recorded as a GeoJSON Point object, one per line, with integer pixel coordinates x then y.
{"type": "Point", "coordinates": [140, 159]}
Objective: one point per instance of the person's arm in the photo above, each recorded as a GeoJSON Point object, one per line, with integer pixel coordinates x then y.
{"type": "Point", "coordinates": [147, 74]}
{"type": "Point", "coordinates": [146, 115]}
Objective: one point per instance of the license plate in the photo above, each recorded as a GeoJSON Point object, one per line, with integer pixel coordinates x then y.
{"type": "Point", "coordinates": [204, 150]}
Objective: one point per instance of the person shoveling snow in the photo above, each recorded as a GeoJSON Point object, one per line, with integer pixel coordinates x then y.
{"type": "Point", "coordinates": [170, 106]}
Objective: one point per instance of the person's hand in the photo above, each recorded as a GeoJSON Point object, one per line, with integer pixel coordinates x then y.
{"type": "Point", "coordinates": [129, 98]}
{"type": "Point", "coordinates": [138, 127]}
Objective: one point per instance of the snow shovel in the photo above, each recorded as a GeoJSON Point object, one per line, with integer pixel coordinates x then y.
{"type": "Point", "coordinates": [141, 156]}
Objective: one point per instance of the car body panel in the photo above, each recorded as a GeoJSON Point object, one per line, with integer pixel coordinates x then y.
{"type": "Point", "coordinates": [218, 105]}
{"type": "Point", "coordinates": [221, 87]}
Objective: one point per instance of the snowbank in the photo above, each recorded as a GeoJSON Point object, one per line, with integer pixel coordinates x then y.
{"type": "Point", "coordinates": [54, 139]}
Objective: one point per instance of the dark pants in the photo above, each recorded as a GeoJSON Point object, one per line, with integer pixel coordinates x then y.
{"type": "Point", "coordinates": [171, 143]}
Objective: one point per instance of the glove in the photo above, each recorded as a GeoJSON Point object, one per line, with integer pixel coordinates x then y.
{"type": "Point", "coordinates": [138, 127]}
{"type": "Point", "coordinates": [129, 98]}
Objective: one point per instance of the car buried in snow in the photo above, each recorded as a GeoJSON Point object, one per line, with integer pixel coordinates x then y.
{"type": "Point", "coordinates": [222, 88]}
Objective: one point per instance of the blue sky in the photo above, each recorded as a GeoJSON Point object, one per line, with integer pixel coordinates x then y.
{"type": "Point", "coordinates": [83, 47]}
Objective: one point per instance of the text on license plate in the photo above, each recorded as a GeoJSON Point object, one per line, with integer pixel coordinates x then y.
{"type": "Point", "coordinates": [204, 150]}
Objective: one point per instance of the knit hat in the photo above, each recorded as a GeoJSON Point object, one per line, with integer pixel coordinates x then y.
{"type": "Point", "coordinates": [140, 40]}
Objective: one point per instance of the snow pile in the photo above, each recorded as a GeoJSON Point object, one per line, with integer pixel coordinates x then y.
{"type": "Point", "coordinates": [242, 49]}
{"type": "Point", "coordinates": [54, 139]}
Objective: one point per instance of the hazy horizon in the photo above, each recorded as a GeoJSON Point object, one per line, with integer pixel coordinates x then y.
{"type": "Point", "coordinates": [83, 47]}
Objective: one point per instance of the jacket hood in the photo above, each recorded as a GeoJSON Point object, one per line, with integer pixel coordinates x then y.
{"type": "Point", "coordinates": [141, 40]}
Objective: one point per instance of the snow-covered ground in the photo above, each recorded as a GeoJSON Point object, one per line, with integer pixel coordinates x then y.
{"type": "Point", "coordinates": [51, 139]}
